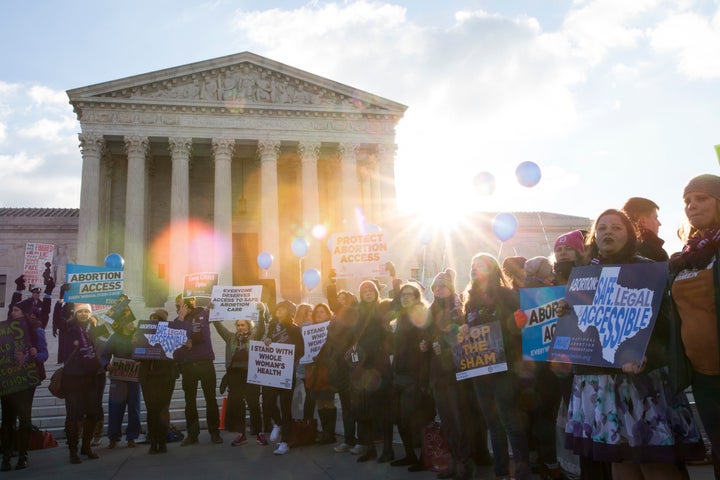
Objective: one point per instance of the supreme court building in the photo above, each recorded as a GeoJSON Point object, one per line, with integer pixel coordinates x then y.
{"type": "Point", "coordinates": [201, 167]}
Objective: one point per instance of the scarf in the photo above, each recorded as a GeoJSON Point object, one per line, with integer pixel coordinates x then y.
{"type": "Point", "coordinates": [698, 252]}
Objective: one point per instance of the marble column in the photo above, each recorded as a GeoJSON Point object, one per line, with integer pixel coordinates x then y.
{"type": "Point", "coordinates": [92, 147]}
{"type": "Point", "coordinates": [179, 212]}
{"type": "Point", "coordinates": [134, 250]}
{"type": "Point", "coordinates": [386, 171]}
{"type": "Point", "coordinates": [350, 185]}
{"type": "Point", "coordinates": [223, 151]}
{"type": "Point", "coordinates": [309, 153]}
{"type": "Point", "coordinates": [270, 218]}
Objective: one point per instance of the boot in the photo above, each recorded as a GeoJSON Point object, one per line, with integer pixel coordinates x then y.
{"type": "Point", "coordinates": [87, 438]}
{"type": "Point", "coordinates": [71, 431]}
{"type": "Point", "coordinates": [5, 466]}
{"type": "Point", "coordinates": [23, 439]}
{"type": "Point", "coordinates": [328, 417]}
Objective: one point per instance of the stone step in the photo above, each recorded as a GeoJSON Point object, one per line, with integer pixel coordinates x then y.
{"type": "Point", "coordinates": [49, 412]}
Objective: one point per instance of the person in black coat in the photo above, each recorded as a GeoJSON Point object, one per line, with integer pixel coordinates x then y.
{"type": "Point", "coordinates": [80, 377]}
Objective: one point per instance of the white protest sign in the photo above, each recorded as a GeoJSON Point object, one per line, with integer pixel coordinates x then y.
{"type": "Point", "coordinates": [235, 303]}
{"type": "Point", "coordinates": [359, 255]}
{"type": "Point", "coordinates": [314, 337]}
{"type": "Point", "coordinates": [36, 255]}
{"type": "Point", "coordinates": [271, 365]}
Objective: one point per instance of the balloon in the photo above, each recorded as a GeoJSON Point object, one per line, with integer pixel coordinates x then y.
{"type": "Point", "coordinates": [264, 260]}
{"type": "Point", "coordinates": [505, 225]}
{"type": "Point", "coordinates": [114, 261]}
{"type": "Point", "coordinates": [484, 183]}
{"type": "Point", "coordinates": [311, 278]}
{"type": "Point", "coordinates": [300, 247]}
{"type": "Point", "coordinates": [528, 174]}
{"type": "Point", "coordinates": [426, 237]}
{"type": "Point", "coordinates": [372, 228]}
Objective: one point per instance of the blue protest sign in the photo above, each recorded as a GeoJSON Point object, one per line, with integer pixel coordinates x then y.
{"type": "Point", "coordinates": [614, 308]}
{"type": "Point", "coordinates": [93, 284]}
{"type": "Point", "coordinates": [540, 307]}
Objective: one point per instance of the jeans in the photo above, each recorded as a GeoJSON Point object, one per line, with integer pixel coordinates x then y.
{"type": "Point", "coordinates": [123, 394]}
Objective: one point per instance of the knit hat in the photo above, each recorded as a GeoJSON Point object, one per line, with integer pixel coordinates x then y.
{"type": "Point", "coordinates": [161, 313]}
{"type": "Point", "coordinates": [574, 240]}
{"type": "Point", "coordinates": [369, 283]}
{"type": "Point", "coordinates": [83, 306]}
{"type": "Point", "coordinates": [538, 267]}
{"type": "Point", "coordinates": [446, 278]}
{"type": "Point", "coordinates": [707, 184]}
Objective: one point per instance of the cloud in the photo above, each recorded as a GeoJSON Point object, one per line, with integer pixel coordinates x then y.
{"type": "Point", "coordinates": [50, 130]}
{"type": "Point", "coordinates": [597, 27]}
{"type": "Point", "coordinates": [14, 165]}
{"type": "Point", "coordinates": [42, 95]}
{"type": "Point", "coordinates": [694, 41]}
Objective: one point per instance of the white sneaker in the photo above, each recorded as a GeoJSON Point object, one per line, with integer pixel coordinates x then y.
{"type": "Point", "coordinates": [359, 449]}
{"type": "Point", "coordinates": [282, 449]}
{"type": "Point", "coordinates": [342, 448]}
{"type": "Point", "coordinates": [275, 434]}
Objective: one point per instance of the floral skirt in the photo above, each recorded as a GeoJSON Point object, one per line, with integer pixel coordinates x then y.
{"type": "Point", "coordinates": [621, 417]}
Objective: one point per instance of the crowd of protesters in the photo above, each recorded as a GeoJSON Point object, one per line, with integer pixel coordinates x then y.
{"type": "Point", "coordinates": [389, 364]}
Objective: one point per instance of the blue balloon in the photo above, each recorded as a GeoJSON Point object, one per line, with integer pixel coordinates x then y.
{"type": "Point", "coordinates": [528, 174]}
{"type": "Point", "coordinates": [300, 247]}
{"type": "Point", "coordinates": [484, 183]}
{"type": "Point", "coordinates": [311, 278]}
{"type": "Point", "coordinates": [426, 237]}
{"type": "Point", "coordinates": [114, 261]}
{"type": "Point", "coordinates": [372, 228]}
{"type": "Point", "coordinates": [505, 225]}
{"type": "Point", "coordinates": [264, 260]}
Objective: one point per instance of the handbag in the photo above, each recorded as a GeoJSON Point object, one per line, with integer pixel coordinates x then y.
{"type": "Point", "coordinates": [303, 432]}
{"type": "Point", "coordinates": [55, 386]}
{"type": "Point", "coordinates": [435, 449]}
{"type": "Point", "coordinates": [40, 439]}
{"type": "Point", "coordinates": [317, 377]}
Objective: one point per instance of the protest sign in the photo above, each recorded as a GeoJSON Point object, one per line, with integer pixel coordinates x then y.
{"type": "Point", "coordinates": [314, 337]}
{"type": "Point", "coordinates": [355, 256]}
{"type": "Point", "coordinates": [120, 313]}
{"type": "Point", "coordinates": [36, 256]}
{"type": "Point", "coordinates": [271, 365]}
{"type": "Point", "coordinates": [157, 340]}
{"type": "Point", "coordinates": [235, 303]}
{"type": "Point", "coordinates": [199, 285]}
{"type": "Point", "coordinates": [613, 311]}
{"type": "Point", "coordinates": [93, 284]}
{"type": "Point", "coordinates": [15, 376]}
{"type": "Point", "coordinates": [480, 351]}
{"type": "Point", "coordinates": [124, 369]}
{"type": "Point", "coordinates": [540, 306]}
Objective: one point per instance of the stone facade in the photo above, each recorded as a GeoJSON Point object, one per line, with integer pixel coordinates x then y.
{"type": "Point", "coordinates": [57, 226]}
{"type": "Point", "coordinates": [201, 167]}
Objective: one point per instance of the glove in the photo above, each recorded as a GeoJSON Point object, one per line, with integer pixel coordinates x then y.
{"type": "Point", "coordinates": [20, 282]}
{"type": "Point", "coordinates": [520, 318]}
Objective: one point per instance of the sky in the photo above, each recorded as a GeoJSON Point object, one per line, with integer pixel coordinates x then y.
{"type": "Point", "coordinates": [610, 98]}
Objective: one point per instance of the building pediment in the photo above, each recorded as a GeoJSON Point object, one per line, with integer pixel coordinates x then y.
{"type": "Point", "coordinates": [234, 82]}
